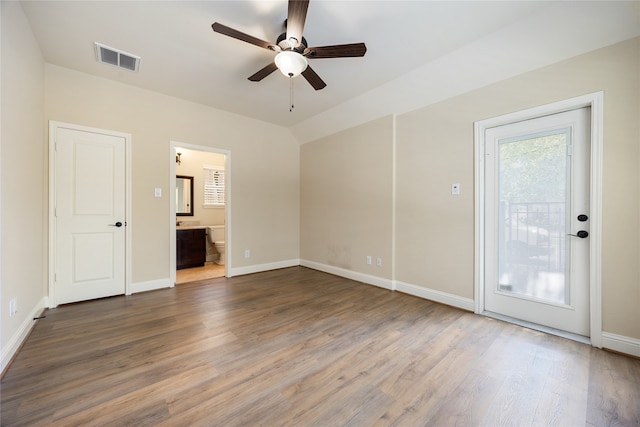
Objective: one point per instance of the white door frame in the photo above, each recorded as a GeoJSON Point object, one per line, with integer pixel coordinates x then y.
{"type": "Point", "coordinates": [595, 101]}
{"type": "Point", "coordinates": [53, 127]}
{"type": "Point", "coordinates": [172, 207]}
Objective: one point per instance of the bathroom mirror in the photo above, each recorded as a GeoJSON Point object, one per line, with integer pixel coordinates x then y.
{"type": "Point", "coordinates": [184, 195]}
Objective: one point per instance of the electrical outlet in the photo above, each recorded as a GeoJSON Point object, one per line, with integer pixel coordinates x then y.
{"type": "Point", "coordinates": [379, 262]}
{"type": "Point", "coordinates": [368, 259]}
{"type": "Point", "coordinates": [247, 253]}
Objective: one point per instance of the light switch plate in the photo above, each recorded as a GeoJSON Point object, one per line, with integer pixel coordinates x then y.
{"type": "Point", "coordinates": [158, 192]}
{"type": "Point", "coordinates": [455, 189]}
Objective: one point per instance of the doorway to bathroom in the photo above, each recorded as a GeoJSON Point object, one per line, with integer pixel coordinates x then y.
{"type": "Point", "coordinates": [199, 212]}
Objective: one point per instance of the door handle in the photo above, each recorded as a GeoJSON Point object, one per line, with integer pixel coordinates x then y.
{"type": "Point", "coordinates": [117, 224]}
{"type": "Point", "coordinates": [583, 234]}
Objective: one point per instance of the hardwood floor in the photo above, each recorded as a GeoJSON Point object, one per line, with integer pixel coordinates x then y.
{"type": "Point", "coordinates": [299, 347]}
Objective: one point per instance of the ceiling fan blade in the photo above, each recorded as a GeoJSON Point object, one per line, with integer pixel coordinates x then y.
{"type": "Point", "coordinates": [264, 72]}
{"type": "Point", "coordinates": [336, 51]}
{"type": "Point", "coordinates": [228, 31]}
{"type": "Point", "coordinates": [297, 14]}
{"type": "Point", "coordinates": [313, 79]}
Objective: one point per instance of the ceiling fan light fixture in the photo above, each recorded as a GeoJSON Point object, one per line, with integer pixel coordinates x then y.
{"type": "Point", "coordinates": [291, 63]}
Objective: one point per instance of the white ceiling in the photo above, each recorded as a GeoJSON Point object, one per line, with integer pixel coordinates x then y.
{"type": "Point", "coordinates": [183, 57]}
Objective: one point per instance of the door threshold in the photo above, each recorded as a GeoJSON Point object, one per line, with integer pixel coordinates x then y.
{"type": "Point", "coordinates": [537, 327]}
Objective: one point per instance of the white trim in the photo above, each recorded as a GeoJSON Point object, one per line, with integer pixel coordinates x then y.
{"type": "Point", "coordinates": [478, 203]}
{"type": "Point", "coordinates": [353, 275]}
{"type": "Point", "coordinates": [621, 344]}
{"type": "Point", "coordinates": [128, 244]}
{"type": "Point", "coordinates": [434, 295]}
{"type": "Point", "coordinates": [53, 126]}
{"type": "Point", "coordinates": [17, 339]}
{"type": "Point", "coordinates": [596, 102]}
{"type": "Point", "coordinates": [258, 268]}
{"type": "Point", "coordinates": [172, 209]}
{"type": "Point", "coordinates": [151, 285]}
{"type": "Point", "coordinates": [595, 220]}
{"type": "Point", "coordinates": [407, 288]}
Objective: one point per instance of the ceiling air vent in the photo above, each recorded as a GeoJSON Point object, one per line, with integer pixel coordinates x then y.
{"type": "Point", "coordinates": [109, 55]}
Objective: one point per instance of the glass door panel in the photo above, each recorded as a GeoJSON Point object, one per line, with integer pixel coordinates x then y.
{"type": "Point", "coordinates": [533, 195]}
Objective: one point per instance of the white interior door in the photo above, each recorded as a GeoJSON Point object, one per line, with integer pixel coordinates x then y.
{"type": "Point", "coordinates": [537, 220]}
{"type": "Point", "coordinates": [90, 222]}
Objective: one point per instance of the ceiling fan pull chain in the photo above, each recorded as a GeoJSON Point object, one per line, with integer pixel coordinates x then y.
{"type": "Point", "coordinates": [291, 93]}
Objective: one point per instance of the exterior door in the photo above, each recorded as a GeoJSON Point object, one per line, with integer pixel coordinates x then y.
{"type": "Point", "coordinates": [89, 215]}
{"type": "Point", "coordinates": [537, 220]}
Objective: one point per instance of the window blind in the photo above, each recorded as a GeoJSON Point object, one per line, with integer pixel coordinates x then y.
{"type": "Point", "coordinates": [213, 186]}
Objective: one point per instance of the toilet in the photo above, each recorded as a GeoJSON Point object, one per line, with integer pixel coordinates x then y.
{"type": "Point", "coordinates": [216, 237]}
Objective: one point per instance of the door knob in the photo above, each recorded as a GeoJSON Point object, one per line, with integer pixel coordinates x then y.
{"type": "Point", "coordinates": [583, 234]}
{"type": "Point", "coordinates": [117, 224]}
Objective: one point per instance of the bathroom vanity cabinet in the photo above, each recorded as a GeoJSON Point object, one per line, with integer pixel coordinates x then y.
{"type": "Point", "coordinates": [191, 248]}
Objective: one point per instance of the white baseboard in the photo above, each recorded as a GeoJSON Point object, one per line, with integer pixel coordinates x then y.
{"type": "Point", "coordinates": [353, 275]}
{"type": "Point", "coordinates": [437, 296]}
{"type": "Point", "coordinates": [407, 288]}
{"type": "Point", "coordinates": [621, 344]}
{"type": "Point", "coordinates": [258, 268]}
{"type": "Point", "coordinates": [21, 334]}
{"type": "Point", "coordinates": [150, 285]}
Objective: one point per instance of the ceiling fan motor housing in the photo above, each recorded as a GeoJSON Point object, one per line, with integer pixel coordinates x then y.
{"type": "Point", "coordinates": [285, 45]}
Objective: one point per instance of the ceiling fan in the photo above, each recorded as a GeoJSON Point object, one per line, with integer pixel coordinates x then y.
{"type": "Point", "coordinates": [292, 47]}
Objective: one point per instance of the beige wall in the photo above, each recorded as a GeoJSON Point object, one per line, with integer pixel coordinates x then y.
{"type": "Point", "coordinates": [22, 171]}
{"type": "Point", "coordinates": [434, 230]}
{"type": "Point", "coordinates": [346, 194]}
{"type": "Point", "coordinates": [264, 165]}
{"type": "Point", "coordinates": [192, 162]}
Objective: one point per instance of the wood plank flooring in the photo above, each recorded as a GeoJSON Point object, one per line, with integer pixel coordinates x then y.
{"type": "Point", "coordinates": [298, 347]}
